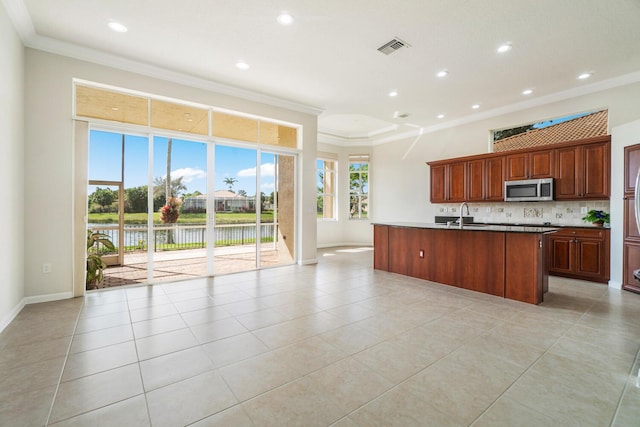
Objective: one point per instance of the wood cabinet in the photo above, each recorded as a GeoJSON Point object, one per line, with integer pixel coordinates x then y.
{"type": "Point", "coordinates": [631, 236]}
{"type": "Point", "coordinates": [485, 179]}
{"type": "Point", "coordinates": [583, 172]}
{"type": "Point", "coordinates": [504, 264]}
{"type": "Point", "coordinates": [448, 182]}
{"type": "Point", "coordinates": [580, 253]}
{"type": "Point", "coordinates": [530, 165]}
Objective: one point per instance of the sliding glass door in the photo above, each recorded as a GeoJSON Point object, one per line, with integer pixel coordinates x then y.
{"type": "Point", "coordinates": [179, 208]}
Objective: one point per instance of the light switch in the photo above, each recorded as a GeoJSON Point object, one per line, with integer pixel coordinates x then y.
{"type": "Point", "coordinates": [421, 253]}
{"type": "Point", "coordinates": [583, 209]}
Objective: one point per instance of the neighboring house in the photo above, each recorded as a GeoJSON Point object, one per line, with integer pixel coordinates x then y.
{"type": "Point", "coordinates": [226, 201]}
{"type": "Point", "coordinates": [588, 126]}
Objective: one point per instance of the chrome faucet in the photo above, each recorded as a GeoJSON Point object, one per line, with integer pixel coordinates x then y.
{"type": "Point", "coordinates": [462, 206]}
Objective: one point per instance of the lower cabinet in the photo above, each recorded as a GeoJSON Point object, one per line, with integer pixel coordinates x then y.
{"type": "Point", "coordinates": [509, 265]}
{"type": "Point", "coordinates": [580, 253]}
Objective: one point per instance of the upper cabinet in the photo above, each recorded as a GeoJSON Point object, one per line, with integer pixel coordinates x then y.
{"type": "Point", "coordinates": [582, 172]}
{"type": "Point", "coordinates": [448, 182]}
{"type": "Point", "coordinates": [530, 165]}
{"type": "Point", "coordinates": [485, 179]}
{"type": "Point", "coordinates": [581, 169]}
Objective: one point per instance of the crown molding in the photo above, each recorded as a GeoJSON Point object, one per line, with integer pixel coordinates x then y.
{"type": "Point", "coordinates": [19, 16]}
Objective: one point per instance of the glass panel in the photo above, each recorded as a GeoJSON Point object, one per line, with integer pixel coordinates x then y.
{"type": "Point", "coordinates": [274, 134]}
{"type": "Point", "coordinates": [179, 220]}
{"type": "Point", "coordinates": [277, 186]}
{"type": "Point", "coordinates": [235, 127]}
{"type": "Point", "coordinates": [183, 118]}
{"type": "Point", "coordinates": [119, 209]}
{"type": "Point", "coordinates": [114, 106]}
{"type": "Point", "coordinates": [235, 201]}
{"type": "Point", "coordinates": [326, 182]}
{"type": "Point", "coordinates": [105, 156]}
{"type": "Point", "coordinates": [358, 190]}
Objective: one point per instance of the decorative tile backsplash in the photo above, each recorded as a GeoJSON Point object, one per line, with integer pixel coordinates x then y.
{"type": "Point", "coordinates": [557, 213]}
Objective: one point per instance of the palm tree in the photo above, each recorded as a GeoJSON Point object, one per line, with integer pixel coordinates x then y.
{"type": "Point", "coordinates": [230, 182]}
{"type": "Point", "coordinates": [242, 193]}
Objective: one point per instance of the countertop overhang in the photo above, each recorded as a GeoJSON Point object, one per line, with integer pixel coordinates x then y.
{"type": "Point", "coordinates": [472, 227]}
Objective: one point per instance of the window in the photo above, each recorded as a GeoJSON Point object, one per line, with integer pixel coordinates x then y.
{"type": "Point", "coordinates": [326, 182]}
{"type": "Point", "coordinates": [358, 186]}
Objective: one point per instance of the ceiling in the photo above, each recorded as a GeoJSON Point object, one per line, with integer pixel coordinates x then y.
{"type": "Point", "coordinates": [327, 61]}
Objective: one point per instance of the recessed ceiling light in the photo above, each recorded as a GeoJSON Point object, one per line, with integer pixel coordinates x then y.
{"type": "Point", "coordinates": [443, 73]}
{"type": "Point", "coordinates": [504, 48]}
{"type": "Point", "coordinates": [440, 116]}
{"type": "Point", "coordinates": [242, 65]}
{"type": "Point", "coordinates": [584, 76]}
{"type": "Point", "coordinates": [475, 106]}
{"type": "Point", "coordinates": [527, 91]}
{"type": "Point", "coordinates": [117, 27]}
{"type": "Point", "coordinates": [285, 19]}
{"type": "Point", "coordinates": [115, 108]}
{"type": "Point", "coordinates": [393, 93]}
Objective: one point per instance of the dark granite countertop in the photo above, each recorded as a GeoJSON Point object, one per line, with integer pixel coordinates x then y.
{"type": "Point", "coordinates": [473, 227]}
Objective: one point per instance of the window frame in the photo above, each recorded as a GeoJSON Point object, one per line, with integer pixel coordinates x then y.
{"type": "Point", "coordinates": [323, 194]}
{"type": "Point", "coordinates": [361, 159]}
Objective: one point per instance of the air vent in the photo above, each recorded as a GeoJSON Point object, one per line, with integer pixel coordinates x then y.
{"type": "Point", "coordinates": [393, 45]}
{"type": "Point", "coordinates": [399, 115]}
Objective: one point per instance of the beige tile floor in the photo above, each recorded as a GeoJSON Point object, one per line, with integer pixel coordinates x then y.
{"type": "Point", "coordinates": [332, 344]}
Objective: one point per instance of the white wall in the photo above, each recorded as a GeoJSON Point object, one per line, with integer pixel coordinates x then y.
{"type": "Point", "coordinates": [344, 231]}
{"type": "Point", "coordinates": [12, 174]}
{"type": "Point", "coordinates": [400, 177]}
{"type": "Point", "coordinates": [49, 159]}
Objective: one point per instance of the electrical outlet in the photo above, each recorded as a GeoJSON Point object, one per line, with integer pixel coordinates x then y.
{"type": "Point", "coordinates": [488, 210]}
{"type": "Point", "coordinates": [583, 209]}
{"type": "Point", "coordinates": [46, 268]}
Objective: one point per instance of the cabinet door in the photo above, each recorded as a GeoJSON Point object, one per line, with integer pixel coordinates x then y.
{"type": "Point", "coordinates": [567, 173]}
{"type": "Point", "coordinates": [595, 171]}
{"type": "Point", "coordinates": [631, 258]}
{"type": "Point", "coordinates": [456, 182]}
{"type": "Point", "coordinates": [631, 166]}
{"type": "Point", "coordinates": [631, 233]}
{"type": "Point", "coordinates": [494, 179]}
{"type": "Point", "coordinates": [589, 257]}
{"type": "Point", "coordinates": [438, 184]}
{"type": "Point", "coordinates": [475, 180]}
{"type": "Point", "coordinates": [517, 166]}
{"type": "Point", "coordinates": [541, 164]}
{"type": "Point", "coordinates": [561, 254]}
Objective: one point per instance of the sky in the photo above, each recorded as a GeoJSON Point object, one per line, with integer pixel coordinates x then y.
{"type": "Point", "coordinates": [188, 159]}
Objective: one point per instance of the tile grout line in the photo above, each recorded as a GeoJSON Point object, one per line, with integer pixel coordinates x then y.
{"type": "Point", "coordinates": [575, 322]}
{"type": "Point", "coordinates": [635, 363]}
{"type": "Point", "coordinates": [66, 358]}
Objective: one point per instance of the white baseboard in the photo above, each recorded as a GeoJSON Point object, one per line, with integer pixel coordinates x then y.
{"type": "Point", "coordinates": [338, 245]}
{"type": "Point", "coordinates": [615, 285]}
{"type": "Point", "coordinates": [12, 314]}
{"type": "Point", "coordinates": [48, 297]}
{"type": "Point", "coordinates": [310, 261]}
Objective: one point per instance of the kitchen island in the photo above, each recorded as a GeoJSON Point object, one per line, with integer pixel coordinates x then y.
{"type": "Point", "coordinates": [503, 260]}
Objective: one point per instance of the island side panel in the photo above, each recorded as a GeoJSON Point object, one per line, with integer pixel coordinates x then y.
{"type": "Point", "coordinates": [381, 247]}
{"type": "Point", "coordinates": [481, 265]}
{"type": "Point", "coordinates": [524, 276]}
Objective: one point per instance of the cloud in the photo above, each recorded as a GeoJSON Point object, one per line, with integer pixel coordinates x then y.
{"type": "Point", "coordinates": [267, 186]}
{"type": "Point", "coordinates": [188, 174]}
{"type": "Point", "coordinates": [267, 169]}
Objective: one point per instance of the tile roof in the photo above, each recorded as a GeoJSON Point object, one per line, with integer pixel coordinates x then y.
{"type": "Point", "coordinates": [588, 126]}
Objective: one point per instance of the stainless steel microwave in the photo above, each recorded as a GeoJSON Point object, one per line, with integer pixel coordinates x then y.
{"type": "Point", "coordinates": [528, 190]}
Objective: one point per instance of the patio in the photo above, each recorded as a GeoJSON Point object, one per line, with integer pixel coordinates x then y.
{"type": "Point", "coordinates": [185, 264]}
